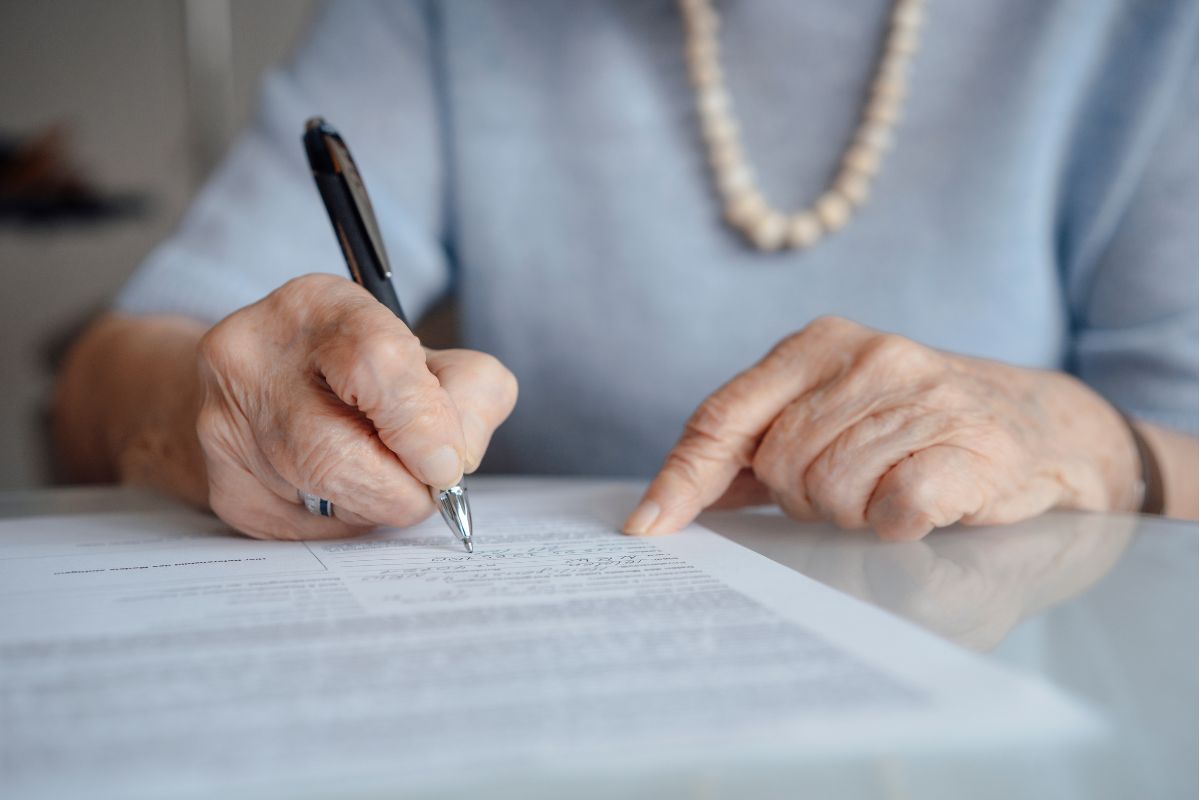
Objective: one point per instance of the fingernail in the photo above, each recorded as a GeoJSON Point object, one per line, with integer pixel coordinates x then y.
{"type": "Point", "coordinates": [475, 435]}
{"type": "Point", "coordinates": [442, 468]}
{"type": "Point", "coordinates": [642, 518]}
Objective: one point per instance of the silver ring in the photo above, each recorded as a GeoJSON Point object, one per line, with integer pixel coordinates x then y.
{"type": "Point", "coordinates": [316, 505]}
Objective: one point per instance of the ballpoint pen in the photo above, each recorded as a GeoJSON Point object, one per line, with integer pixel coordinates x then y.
{"type": "Point", "coordinates": [357, 233]}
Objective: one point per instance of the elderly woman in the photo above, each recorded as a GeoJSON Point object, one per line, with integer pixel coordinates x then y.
{"type": "Point", "coordinates": [964, 236]}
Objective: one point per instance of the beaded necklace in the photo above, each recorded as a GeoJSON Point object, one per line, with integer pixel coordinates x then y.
{"type": "Point", "coordinates": [745, 207]}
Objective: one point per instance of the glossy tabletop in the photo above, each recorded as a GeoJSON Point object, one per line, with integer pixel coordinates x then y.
{"type": "Point", "coordinates": [1102, 606]}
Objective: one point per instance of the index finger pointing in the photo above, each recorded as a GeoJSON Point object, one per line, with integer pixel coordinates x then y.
{"type": "Point", "coordinates": [719, 441]}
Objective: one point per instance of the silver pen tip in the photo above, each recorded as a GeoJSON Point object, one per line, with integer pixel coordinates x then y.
{"type": "Point", "coordinates": [456, 511]}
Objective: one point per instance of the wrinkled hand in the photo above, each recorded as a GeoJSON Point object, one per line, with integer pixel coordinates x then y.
{"type": "Point", "coordinates": [319, 387]}
{"type": "Point", "coordinates": [844, 423]}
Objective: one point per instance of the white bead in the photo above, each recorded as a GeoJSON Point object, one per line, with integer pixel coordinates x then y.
{"type": "Point", "coordinates": [702, 23]}
{"type": "Point", "coordinates": [909, 12]}
{"type": "Point", "coordinates": [804, 229]}
{"type": "Point", "coordinates": [908, 15]}
{"type": "Point", "coordinates": [718, 127]}
{"type": "Point", "coordinates": [883, 110]}
{"type": "Point", "coordinates": [862, 159]}
{"type": "Point", "coordinates": [744, 208]}
{"type": "Point", "coordinates": [705, 73]}
{"type": "Point", "coordinates": [733, 180]}
{"type": "Point", "coordinates": [902, 41]}
{"type": "Point", "coordinates": [725, 155]}
{"type": "Point", "coordinates": [874, 135]}
{"type": "Point", "coordinates": [894, 67]}
{"type": "Point", "coordinates": [889, 87]}
{"type": "Point", "coordinates": [854, 186]}
{"type": "Point", "coordinates": [833, 210]}
{"type": "Point", "coordinates": [700, 49]}
{"type": "Point", "coordinates": [693, 9]}
{"type": "Point", "coordinates": [768, 231]}
{"type": "Point", "coordinates": [713, 100]}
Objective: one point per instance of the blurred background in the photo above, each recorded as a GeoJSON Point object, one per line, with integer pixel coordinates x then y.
{"type": "Point", "coordinates": [111, 113]}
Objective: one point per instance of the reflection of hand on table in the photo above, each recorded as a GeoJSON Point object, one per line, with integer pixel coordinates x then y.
{"type": "Point", "coordinates": [971, 588]}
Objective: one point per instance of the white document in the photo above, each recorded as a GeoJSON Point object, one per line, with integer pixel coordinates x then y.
{"type": "Point", "coordinates": [156, 655]}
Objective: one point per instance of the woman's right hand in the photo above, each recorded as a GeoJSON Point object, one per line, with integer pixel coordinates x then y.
{"type": "Point", "coordinates": [320, 388]}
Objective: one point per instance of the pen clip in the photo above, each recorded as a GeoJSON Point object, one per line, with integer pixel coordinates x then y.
{"type": "Point", "coordinates": [335, 157]}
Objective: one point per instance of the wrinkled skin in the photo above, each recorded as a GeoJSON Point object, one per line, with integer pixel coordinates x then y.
{"type": "Point", "coordinates": [843, 423]}
{"type": "Point", "coordinates": [319, 387]}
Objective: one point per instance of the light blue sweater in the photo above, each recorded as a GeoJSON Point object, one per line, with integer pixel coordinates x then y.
{"type": "Point", "coordinates": [541, 159]}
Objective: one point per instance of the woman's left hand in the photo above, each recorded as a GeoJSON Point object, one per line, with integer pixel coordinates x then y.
{"type": "Point", "coordinates": [844, 423]}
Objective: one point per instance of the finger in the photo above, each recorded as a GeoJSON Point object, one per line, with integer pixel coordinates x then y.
{"type": "Point", "coordinates": [235, 445]}
{"type": "Point", "coordinates": [483, 391]}
{"type": "Point", "coordinates": [932, 488]}
{"type": "Point", "coordinates": [720, 438]}
{"type": "Point", "coordinates": [745, 490]}
{"type": "Point", "coordinates": [871, 385]}
{"type": "Point", "coordinates": [379, 368]}
{"type": "Point", "coordinates": [245, 504]}
{"type": "Point", "coordinates": [322, 447]}
{"type": "Point", "coordinates": [841, 480]}
{"type": "Point", "coordinates": [790, 444]}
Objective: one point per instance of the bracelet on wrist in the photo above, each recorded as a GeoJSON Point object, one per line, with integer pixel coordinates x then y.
{"type": "Point", "coordinates": [1151, 491]}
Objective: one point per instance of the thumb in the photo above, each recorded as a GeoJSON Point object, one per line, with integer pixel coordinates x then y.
{"type": "Point", "coordinates": [483, 391]}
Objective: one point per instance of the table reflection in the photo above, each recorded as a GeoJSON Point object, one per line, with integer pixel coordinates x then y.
{"type": "Point", "coordinates": [969, 585]}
